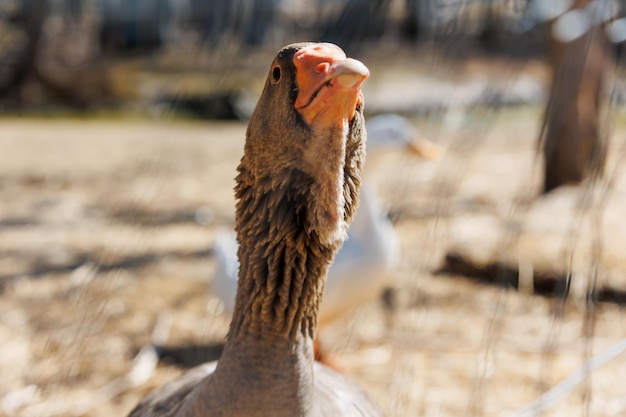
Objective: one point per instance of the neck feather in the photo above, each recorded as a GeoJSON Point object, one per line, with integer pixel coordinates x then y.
{"type": "Point", "coordinates": [282, 264]}
{"type": "Point", "coordinates": [289, 226]}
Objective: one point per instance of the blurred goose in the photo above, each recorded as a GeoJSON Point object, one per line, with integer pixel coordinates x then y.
{"type": "Point", "coordinates": [297, 190]}
{"type": "Point", "coordinates": [361, 268]}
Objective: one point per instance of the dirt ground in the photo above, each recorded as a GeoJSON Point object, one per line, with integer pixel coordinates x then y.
{"type": "Point", "coordinates": [106, 230]}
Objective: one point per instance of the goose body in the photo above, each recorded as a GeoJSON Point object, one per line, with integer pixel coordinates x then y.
{"type": "Point", "coordinates": [297, 190]}
{"type": "Point", "coordinates": [362, 266]}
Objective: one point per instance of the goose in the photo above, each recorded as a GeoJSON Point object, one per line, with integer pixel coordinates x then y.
{"type": "Point", "coordinates": [297, 190]}
{"type": "Point", "coordinates": [363, 264]}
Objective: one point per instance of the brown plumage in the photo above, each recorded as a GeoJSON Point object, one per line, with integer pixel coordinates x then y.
{"type": "Point", "coordinates": [297, 190]}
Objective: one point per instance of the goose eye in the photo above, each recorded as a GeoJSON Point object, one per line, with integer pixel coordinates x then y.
{"type": "Point", "coordinates": [276, 74]}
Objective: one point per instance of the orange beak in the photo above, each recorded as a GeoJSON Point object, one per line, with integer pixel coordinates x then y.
{"type": "Point", "coordinates": [425, 149]}
{"type": "Point", "coordinates": [328, 82]}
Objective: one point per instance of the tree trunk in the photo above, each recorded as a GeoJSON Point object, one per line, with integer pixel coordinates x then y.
{"type": "Point", "coordinates": [21, 64]}
{"type": "Point", "coordinates": [572, 137]}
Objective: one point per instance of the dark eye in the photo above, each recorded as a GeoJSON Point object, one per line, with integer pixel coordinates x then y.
{"type": "Point", "coordinates": [276, 74]}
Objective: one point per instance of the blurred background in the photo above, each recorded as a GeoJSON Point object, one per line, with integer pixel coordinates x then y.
{"type": "Point", "coordinates": [206, 58]}
{"type": "Point", "coordinates": [121, 126]}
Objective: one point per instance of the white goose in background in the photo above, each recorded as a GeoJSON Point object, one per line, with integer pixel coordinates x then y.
{"type": "Point", "coordinates": [362, 266]}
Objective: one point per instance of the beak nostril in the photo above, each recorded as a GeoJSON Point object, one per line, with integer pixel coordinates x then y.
{"type": "Point", "coordinates": [323, 67]}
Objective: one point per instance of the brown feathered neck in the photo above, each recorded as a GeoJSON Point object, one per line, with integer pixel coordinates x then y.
{"type": "Point", "coordinates": [297, 189]}
{"type": "Point", "coordinates": [288, 233]}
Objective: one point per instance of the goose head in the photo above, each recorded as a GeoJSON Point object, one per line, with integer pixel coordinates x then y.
{"type": "Point", "coordinates": [307, 132]}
